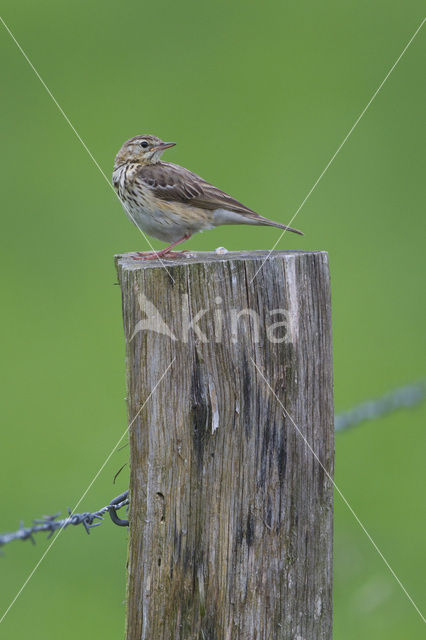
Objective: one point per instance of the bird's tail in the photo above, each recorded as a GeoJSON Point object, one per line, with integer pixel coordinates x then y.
{"type": "Point", "coordinates": [271, 223]}
{"type": "Point", "coordinates": [247, 216]}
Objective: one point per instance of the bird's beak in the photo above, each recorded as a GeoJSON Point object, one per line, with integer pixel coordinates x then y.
{"type": "Point", "coordinates": [163, 146]}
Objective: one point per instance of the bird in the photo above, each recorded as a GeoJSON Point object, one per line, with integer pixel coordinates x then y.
{"type": "Point", "coordinates": [169, 202]}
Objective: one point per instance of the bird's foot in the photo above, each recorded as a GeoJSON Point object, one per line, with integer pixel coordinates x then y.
{"type": "Point", "coordinates": [158, 255]}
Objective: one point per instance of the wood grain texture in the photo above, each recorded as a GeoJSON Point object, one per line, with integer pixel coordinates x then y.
{"type": "Point", "coordinates": [231, 517]}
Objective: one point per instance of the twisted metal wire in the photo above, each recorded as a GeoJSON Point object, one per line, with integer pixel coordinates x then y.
{"type": "Point", "coordinates": [403, 397]}
{"type": "Point", "coordinates": [50, 524]}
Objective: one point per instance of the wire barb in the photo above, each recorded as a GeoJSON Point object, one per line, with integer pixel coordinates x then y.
{"type": "Point", "coordinates": [400, 398]}
{"type": "Point", "coordinates": [50, 523]}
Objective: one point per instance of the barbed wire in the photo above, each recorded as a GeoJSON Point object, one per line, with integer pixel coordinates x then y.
{"type": "Point", "coordinates": [401, 398]}
{"type": "Point", "coordinates": [87, 519]}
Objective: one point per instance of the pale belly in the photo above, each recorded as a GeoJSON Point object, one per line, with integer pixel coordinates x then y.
{"type": "Point", "coordinates": [166, 221]}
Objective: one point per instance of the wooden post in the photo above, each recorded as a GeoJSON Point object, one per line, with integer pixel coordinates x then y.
{"type": "Point", "coordinates": [231, 516]}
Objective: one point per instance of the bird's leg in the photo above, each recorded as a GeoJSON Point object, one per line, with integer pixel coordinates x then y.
{"type": "Point", "coordinates": [163, 253]}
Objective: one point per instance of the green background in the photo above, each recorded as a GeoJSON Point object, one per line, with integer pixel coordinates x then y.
{"type": "Point", "coordinates": [258, 96]}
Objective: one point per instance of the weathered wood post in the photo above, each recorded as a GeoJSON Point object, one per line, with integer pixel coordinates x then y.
{"type": "Point", "coordinates": [231, 446]}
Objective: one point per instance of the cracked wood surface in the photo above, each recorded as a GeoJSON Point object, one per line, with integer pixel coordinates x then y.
{"type": "Point", "coordinates": [231, 517]}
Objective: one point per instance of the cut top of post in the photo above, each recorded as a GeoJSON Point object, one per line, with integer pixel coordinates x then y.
{"type": "Point", "coordinates": [127, 261]}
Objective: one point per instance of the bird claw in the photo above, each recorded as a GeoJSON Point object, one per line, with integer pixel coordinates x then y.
{"type": "Point", "coordinates": [159, 255]}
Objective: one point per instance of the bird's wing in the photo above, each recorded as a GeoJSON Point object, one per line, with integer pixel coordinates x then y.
{"type": "Point", "coordinates": [173, 183]}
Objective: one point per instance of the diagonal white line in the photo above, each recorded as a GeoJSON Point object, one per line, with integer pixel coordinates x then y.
{"type": "Point", "coordinates": [96, 163]}
{"type": "Point", "coordinates": [339, 491]}
{"type": "Point", "coordinates": [95, 477]}
{"type": "Point", "coordinates": [342, 143]}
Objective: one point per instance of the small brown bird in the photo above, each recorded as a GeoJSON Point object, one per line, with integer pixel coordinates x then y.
{"type": "Point", "coordinates": [169, 202]}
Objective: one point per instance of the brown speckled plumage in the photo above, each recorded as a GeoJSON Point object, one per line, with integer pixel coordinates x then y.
{"type": "Point", "coordinates": [169, 202]}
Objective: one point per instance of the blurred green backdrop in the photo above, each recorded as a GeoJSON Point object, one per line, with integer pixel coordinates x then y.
{"type": "Point", "coordinates": [258, 96]}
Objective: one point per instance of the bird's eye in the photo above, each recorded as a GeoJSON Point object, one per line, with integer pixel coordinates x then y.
{"type": "Point", "coordinates": [144, 144]}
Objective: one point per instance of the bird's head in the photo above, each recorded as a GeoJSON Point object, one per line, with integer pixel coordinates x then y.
{"type": "Point", "coordinates": [143, 149]}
